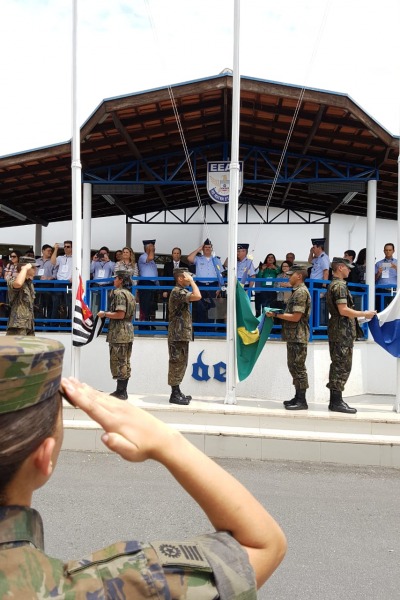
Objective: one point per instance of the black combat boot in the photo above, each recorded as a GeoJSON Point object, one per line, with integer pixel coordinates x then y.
{"type": "Point", "coordinates": [121, 392]}
{"type": "Point", "coordinates": [184, 395]}
{"type": "Point", "coordinates": [290, 402]}
{"type": "Point", "coordinates": [337, 404]}
{"type": "Point", "coordinates": [176, 398]}
{"type": "Point", "coordinates": [301, 402]}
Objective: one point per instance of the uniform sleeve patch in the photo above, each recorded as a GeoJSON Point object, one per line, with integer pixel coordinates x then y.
{"type": "Point", "coordinates": [180, 554]}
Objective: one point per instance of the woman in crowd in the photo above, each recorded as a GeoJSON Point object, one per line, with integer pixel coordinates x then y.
{"type": "Point", "coordinates": [361, 263]}
{"type": "Point", "coordinates": [128, 264]}
{"type": "Point", "coordinates": [11, 268]}
{"type": "Point", "coordinates": [266, 270]}
{"type": "Point", "coordinates": [283, 297]}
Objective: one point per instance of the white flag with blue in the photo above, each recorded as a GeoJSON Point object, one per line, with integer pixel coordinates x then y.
{"type": "Point", "coordinates": [385, 327]}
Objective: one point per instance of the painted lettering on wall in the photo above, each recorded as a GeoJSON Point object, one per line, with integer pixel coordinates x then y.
{"type": "Point", "coordinates": [200, 370]}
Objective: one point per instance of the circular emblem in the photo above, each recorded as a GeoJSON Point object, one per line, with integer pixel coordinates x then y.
{"type": "Point", "coordinates": [170, 551]}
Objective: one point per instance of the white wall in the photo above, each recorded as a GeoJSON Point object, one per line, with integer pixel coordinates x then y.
{"type": "Point", "coordinates": [345, 233]}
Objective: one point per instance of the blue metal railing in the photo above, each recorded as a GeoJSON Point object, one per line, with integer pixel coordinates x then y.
{"type": "Point", "coordinates": [54, 304]}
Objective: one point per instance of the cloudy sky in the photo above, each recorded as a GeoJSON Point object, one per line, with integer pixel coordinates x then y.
{"type": "Point", "coordinates": [125, 46]}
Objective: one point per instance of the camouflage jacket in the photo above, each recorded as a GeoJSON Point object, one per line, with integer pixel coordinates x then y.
{"type": "Point", "coordinates": [207, 567]}
{"type": "Point", "coordinates": [300, 302]}
{"type": "Point", "coordinates": [120, 331]}
{"type": "Point", "coordinates": [180, 319]}
{"type": "Point", "coordinates": [21, 302]}
{"type": "Point", "coordinates": [340, 329]}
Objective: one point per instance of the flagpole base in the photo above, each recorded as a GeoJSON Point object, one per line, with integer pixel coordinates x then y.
{"type": "Point", "coordinates": [230, 397]}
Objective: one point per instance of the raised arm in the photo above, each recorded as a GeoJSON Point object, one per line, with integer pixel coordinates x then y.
{"type": "Point", "coordinates": [136, 436]}
{"type": "Point", "coordinates": [193, 254]}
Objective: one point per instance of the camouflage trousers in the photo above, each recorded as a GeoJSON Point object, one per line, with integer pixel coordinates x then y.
{"type": "Point", "coordinates": [120, 360]}
{"type": "Point", "coordinates": [341, 361]}
{"type": "Point", "coordinates": [296, 362]}
{"type": "Point", "coordinates": [178, 361]}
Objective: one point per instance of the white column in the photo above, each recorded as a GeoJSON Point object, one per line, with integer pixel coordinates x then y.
{"type": "Point", "coordinates": [38, 240]}
{"type": "Point", "coordinates": [86, 231]}
{"type": "Point", "coordinates": [371, 229]}
{"type": "Point", "coordinates": [396, 406]}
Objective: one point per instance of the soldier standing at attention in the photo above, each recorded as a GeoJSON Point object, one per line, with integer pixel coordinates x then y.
{"type": "Point", "coordinates": [296, 332]}
{"type": "Point", "coordinates": [341, 333]}
{"type": "Point", "coordinates": [241, 552]}
{"type": "Point", "coordinates": [120, 332]}
{"type": "Point", "coordinates": [21, 294]}
{"type": "Point", "coordinates": [180, 331]}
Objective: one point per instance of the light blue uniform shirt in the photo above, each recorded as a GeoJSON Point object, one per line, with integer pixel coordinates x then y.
{"type": "Point", "coordinates": [319, 265]}
{"type": "Point", "coordinates": [147, 269]}
{"type": "Point", "coordinates": [392, 278]}
{"type": "Point", "coordinates": [205, 267]}
{"type": "Point", "coordinates": [245, 266]}
{"type": "Point", "coordinates": [102, 270]}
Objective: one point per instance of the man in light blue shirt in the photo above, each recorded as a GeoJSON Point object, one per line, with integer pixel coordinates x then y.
{"type": "Point", "coordinates": [147, 268]}
{"type": "Point", "coordinates": [101, 266]}
{"type": "Point", "coordinates": [319, 270]}
{"type": "Point", "coordinates": [207, 267]}
{"type": "Point", "coordinates": [386, 274]}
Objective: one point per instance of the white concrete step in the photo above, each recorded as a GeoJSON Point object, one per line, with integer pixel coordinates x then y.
{"type": "Point", "coordinates": [265, 434]}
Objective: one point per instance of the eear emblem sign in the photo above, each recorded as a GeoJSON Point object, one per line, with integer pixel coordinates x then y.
{"type": "Point", "coordinates": [218, 180]}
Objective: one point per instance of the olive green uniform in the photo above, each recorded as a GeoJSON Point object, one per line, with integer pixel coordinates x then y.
{"type": "Point", "coordinates": [120, 334]}
{"type": "Point", "coordinates": [341, 334]}
{"type": "Point", "coordinates": [180, 333]}
{"type": "Point", "coordinates": [21, 320]}
{"type": "Point", "coordinates": [297, 334]}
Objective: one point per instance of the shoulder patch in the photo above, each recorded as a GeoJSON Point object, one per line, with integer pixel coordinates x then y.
{"type": "Point", "coordinates": [172, 553]}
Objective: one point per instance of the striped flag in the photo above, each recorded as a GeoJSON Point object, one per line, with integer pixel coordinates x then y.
{"type": "Point", "coordinates": [84, 327]}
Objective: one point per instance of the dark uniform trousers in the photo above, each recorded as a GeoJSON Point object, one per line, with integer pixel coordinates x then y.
{"type": "Point", "coordinates": [340, 369]}
{"type": "Point", "coordinates": [120, 360]}
{"type": "Point", "coordinates": [178, 361]}
{"type": "Point", "coordinates": [296, 362]}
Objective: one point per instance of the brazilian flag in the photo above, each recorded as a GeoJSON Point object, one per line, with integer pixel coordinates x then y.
{"type": "Point", "coordinates": [252, 333]}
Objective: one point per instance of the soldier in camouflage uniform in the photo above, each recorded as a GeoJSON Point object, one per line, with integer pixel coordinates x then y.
{"type": "Point", "coordinates": [180, 331]}
{"type": "Point", "coordinates": [296, 332]}
{"type": "Point", "coordinates": [120, 332]}
{"type": "Point", "coordinates": [341, 333]}
{"type": "Point", "coordinates": [214, 565]}
{"type": "Point", "coordinates": [21, 296]}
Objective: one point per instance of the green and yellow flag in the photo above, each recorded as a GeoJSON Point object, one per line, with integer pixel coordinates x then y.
{"type": "Point", "coordinates": [252, 333]}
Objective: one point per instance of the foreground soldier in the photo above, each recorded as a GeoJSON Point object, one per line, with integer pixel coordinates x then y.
{"type": "Point", "coordinates": [120, 332]}
{"type": "Point", "coordinates": [180, 331]}
{"type": "Point", "coordinates": [21, 294]}
{"type": "Point", "coordinates": [296, 332]}
{"type": "Point", "coordinates": [239, 556]}
{"type": "Point", "coordinates": [341, 333]}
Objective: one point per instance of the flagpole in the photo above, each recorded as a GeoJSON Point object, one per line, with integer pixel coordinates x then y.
{"type": "Point", "coordinates": [396, 406]}
{"type": "Point", "coordinates": [76, 176]}
{"type": "Point", "coordinates": [231, 366]}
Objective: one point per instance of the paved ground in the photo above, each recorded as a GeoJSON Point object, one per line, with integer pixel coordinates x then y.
{"type": "Point", "coordinates": [342, 523]}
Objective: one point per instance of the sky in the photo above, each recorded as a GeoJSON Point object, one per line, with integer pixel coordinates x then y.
{"type": "Point", "coordinates": [127, 46]}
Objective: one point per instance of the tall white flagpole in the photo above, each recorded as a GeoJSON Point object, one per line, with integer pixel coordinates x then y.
{"type": "Point", "coordinates": [396, 407]}
{"type": "Point", "coordinates": [76, 176]}
{"type": "Point", "coordinates": [231, 366]}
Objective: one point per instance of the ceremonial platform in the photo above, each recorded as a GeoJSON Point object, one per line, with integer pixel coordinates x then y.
{"type": "Point", "coordinates": [263, 430]}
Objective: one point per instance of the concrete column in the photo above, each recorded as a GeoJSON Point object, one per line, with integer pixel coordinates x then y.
{"type": "Point", "coordinates": [38, 240]}
{"type": "Point", "coordinates": [371, 234]}
{"type": "Point", "coordinates": [128, 235]}
{"type": "Point", "coordinates": [87, 231]}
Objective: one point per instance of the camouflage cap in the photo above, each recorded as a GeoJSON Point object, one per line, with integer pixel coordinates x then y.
{"type": "Point", "coordinates": [180, 271]}
{"type": "Point", "coordinates": [30, 371]}
{"type": "Point", "coordinates": [28, 260]}
{"type": "Point", "coordinates": [337, 260]}
{"type": "Point", "coordinates": [124, 275]}
{"type": "Point", "coordinates": [295, 269]}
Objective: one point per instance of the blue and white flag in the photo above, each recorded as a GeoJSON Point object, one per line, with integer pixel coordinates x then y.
{"type": "Point", "coordinates": [385, 327]}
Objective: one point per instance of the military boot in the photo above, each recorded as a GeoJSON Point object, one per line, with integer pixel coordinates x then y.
{"type": "Point", "coordinates": [121, 392]}
{"type": "Point", "coordinates": [176, 398]}
{"type": "Point", "coordinates": [301, 402]}
{"type": "Point", "coordinates": [290, 402]}
{"type": "Point", "coordinates": [184, 395]}
{"type": "Point", "coordinates": [337, 404]}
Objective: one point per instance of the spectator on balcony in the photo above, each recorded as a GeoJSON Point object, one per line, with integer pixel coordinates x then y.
{"type": "Point", "coordinates": [147, 268]}
{"type": "Point", "coordinates": [63, 269]}
{"type": "Point", "coordinates": [45, 271]}
{"type": "Point", "coordinates": [127, 263]}
{"type": "Point", "coordinates": [267, 270]}
{"type": "Point", "coordinates": [386, 274]}
{"type": "Point", "coordinates": [11, 267]}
